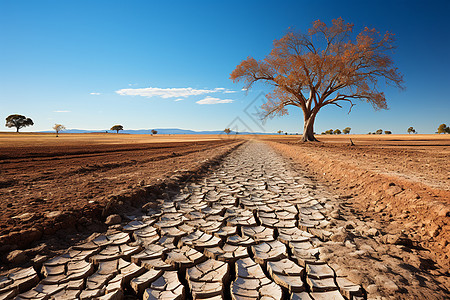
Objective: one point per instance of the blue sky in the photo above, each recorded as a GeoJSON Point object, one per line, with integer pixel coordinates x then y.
{"type": "Point", "coordinates": [78, 62]}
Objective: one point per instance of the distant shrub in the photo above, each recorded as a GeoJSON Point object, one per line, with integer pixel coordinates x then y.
{"type": "Point", "coordinates": [18, 121]}
{"type": "Point", "coordinates": [117, 128]}
{"type": "Point", "coordinates": [58, 128]}
{"type": "Point", "coordinates": [443, 129]}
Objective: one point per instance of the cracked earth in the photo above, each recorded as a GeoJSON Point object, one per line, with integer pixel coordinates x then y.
{"type": "Point", "coordinates": [252, 228]}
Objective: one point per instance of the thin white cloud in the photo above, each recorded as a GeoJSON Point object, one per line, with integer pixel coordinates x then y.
{"type": "Point", "coordinates": [61, 111]}
{"type": "Point", "coordinates": [93, 93]}
{"type": "Point", "coordinates": [211, 100]}
{"type": "Point", "coordinates": [164, 92]}
{"type": "Point", "coordinates": [179, 99]}
{"type": "Point", "coordinates": [229, 92]}
{"type": "Point", "coordinates": [220, 89]}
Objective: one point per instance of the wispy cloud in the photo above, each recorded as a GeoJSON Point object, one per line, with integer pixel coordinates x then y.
{"type": "Point", "coordinates": [165, 92]}
{"type": "Point", "coordinates": [169, 92]}
{"type": "Point", "coordinates": [211, 100]}
{"type": "Point", "coordinates": [93, 93]}
{"type": "Point", "coordinates": [179, 99]}
{"type": "Point", "coordinates": [61, 111]}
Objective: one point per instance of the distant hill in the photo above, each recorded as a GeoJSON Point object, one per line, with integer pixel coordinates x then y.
{"type": "Point", "coordinates": [160, 131]}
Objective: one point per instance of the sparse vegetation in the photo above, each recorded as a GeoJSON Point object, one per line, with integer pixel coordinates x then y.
{"type": "Point", "coordinates": [58, 128]}
{"type": "Point", "coordinates": [330, 131]}
{"type": "Point", "coordinates": [346, 130]}
{"type": "Point", "coordinates": [387, 132]}
{"type": "Point", "coordinates": [379, 131]}
{"type": "Point", "coordinates": [411, 130]}
{"type": "Point", "coordinates": [280, 131]}
{"type": "Point", "coordinates": [117, 128]}
{"type": "Point", "coordinates": [18, 121]}
{"type": "Point", "coordinates": [337, 131]}
{"type": "Point", "coordinates": [154, 131]}
{"type": "Point", "coordinates": [443, 129]}
{"type": "Point", "coordinates": [227, 131]}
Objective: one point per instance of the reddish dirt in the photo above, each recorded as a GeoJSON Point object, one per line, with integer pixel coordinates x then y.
{"type": "Point", "coordinates": [401, 182]}
{"type": "Point", "coordinates": [49, 184]}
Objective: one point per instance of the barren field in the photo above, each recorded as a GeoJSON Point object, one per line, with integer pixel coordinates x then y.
{"type": "Point", "coordinates": [49, 183]}
{"type": "Point", "coordinates": [224, 218]}
{"type": "Point", "coordinates": [418, 158]}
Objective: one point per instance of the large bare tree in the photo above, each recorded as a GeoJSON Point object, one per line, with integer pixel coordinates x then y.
{"type": "Point", "coordinates": [322, 67]}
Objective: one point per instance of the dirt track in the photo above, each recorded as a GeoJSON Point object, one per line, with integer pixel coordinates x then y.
{"type": "Point", "coordinates": [47, 183]}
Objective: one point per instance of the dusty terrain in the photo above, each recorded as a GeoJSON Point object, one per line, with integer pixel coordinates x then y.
{"type": "Point", "coordinates": [255, 226]}
{"type": "Point", "coordinates": [398, 185]}
{"type": "Point", "coordinates": [49, 183]}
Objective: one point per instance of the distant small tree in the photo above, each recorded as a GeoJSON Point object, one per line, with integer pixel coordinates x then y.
{"type": "Point", "coordinates": [18, 121]}
{"type": "Point", "coordinates": [369, 133]}
{"type": "Point", "coordinates": [387, 132]}
{"type": "Point", "coordinates": [58, 128]}
{"type": "Point", "coordinates": [443, 129]}
{"type": "Point", "coordinates": [154, 131]}
{"type": "Point", "coordinates": [330, 131]}
{"type": "Point", "coordinates": [227, 131]}
{"type": "Point", "coordinates": [117, 128]}
{"type": "Point", "coordinates": [346, 130]}
{"type": "Point", "coordinates": [379, 131]}
{"type": "Point", "coordinates": [280, 131]}
{"type": "Point", "coordinates": [411, 130]}
{"type": "Point", "coordinates": [337, 131]}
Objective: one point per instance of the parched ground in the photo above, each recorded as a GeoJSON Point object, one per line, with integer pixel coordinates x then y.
{"type": "Point", "coordinates": [257, 225]}
{"type": "Point", "coordinates": [399, 185]}
{"type": "Point", "coordinates": [49, 183]}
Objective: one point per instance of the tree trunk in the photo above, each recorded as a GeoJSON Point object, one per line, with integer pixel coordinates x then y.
{"type": "Point", "coordinates": [308, 129]}
{"type": "Point", "coordinates": [17, 129]}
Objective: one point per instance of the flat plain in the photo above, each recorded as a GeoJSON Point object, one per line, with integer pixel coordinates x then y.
{"type": "Point", "coordinates": [44, 178]}
{"type": "Point", "coordinates": [372, 218]}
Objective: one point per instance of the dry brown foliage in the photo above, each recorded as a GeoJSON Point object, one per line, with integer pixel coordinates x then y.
{"type": "Point", "coordinates": [324, 66]}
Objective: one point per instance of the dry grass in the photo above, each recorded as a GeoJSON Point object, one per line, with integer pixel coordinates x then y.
{"type": "Point", "coordinates": [75, 139]}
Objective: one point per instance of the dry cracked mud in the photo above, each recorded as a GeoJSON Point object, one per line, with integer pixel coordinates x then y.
{"type": "Point", "coordinates": [250, 229]}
